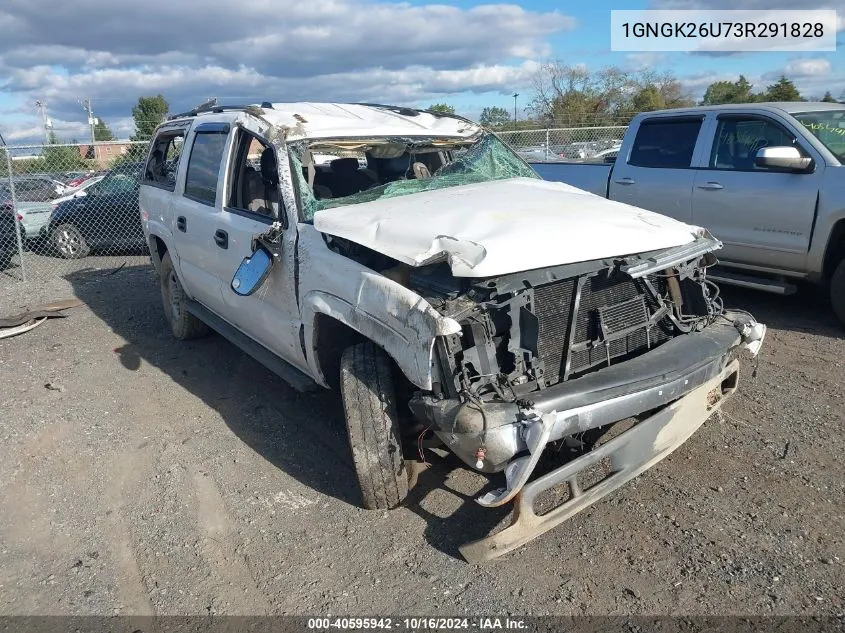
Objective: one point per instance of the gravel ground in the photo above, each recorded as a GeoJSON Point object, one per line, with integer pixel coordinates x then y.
{"type": "Point", "coordinates": [182, 478]}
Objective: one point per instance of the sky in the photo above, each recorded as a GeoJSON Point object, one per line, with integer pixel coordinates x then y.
{"type": "Point", "coordinates": [470, 54]}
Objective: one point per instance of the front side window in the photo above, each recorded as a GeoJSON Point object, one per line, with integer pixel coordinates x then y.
{"type": "Point", "coordinates": [739, 139]}
{"type": "Point", "coordinates": [204, 166]}
{"type": "Point", "coordinates": [665, 143]}
{"type": "Point", "coordinates": [254, 181]}
{"type": "Point", "coordinates": [829, 127]}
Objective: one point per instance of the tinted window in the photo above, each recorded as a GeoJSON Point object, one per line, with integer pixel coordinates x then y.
{"type": "Point", "coordinates": [665, 143]}
{"type": "Point", "coordinates": [738, 141]}
{"type": "Point", "coordinates": [204, 165]}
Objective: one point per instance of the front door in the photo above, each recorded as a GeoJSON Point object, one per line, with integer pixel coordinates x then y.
{"type": "Point", "coordinates": [252, 203]}
{"type": "Point", "coordinates": [763, 216]}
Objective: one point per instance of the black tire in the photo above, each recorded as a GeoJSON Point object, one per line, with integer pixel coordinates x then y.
{"type": "Point", "coordinates": [69, 242]}
{"type": "Point", "coordinates": [837, 291]}
{"type": "Point", "coordinates": [183, 324]}
{"type": "Point", "coordinates": [369, 405]}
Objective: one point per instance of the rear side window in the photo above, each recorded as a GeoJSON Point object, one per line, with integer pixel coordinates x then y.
{"type": "Point", "coordinates": [665, 143]}
{"type": "Point", "coordinates": [204, 164]}
{"type": "Point", "coordinates": [163, 162]}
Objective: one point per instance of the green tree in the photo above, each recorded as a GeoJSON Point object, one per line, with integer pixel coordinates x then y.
{"type": "Point", "coordinates": [148, 114]}
{"type": "Point", "coordinates": [494, 116]}
{"type": "Point", "coordinates": [828, 98]}
{"type": "Point", "coordinates": [445, 108]}
{"type": "Point", "coordinates": [739, 91]}
{"type": "Point", "coordinates": [102, 131]}
{"type": "Point", "coordinates": [782, 90]}
{"type": "Point", "coordinates": [648, 99]}
{"type": "Point", "coordinates": [58, 157]}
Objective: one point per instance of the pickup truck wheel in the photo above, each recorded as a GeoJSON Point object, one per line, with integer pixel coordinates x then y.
{"type": "Point", "coordinates": [69, 242]}
{"type": "Point", "coordinates": [369, 404]}
{"type": "Point", "coordinates": [837, 291]}
{"type": "Point", "coordinates": [183, 324]}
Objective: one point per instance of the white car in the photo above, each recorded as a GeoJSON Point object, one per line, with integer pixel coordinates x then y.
{"type": "Point", "coordinates": [447, 291]}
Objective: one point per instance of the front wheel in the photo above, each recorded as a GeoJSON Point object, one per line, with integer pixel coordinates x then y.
{"type": "Point", "coordinates": [369, 405]}
{"type": "Point", "coordinates": [69, 242]}
{"type": "Point", "coordinates": [837, 291]}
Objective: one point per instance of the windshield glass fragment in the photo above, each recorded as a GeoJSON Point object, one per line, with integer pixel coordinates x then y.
{"type": "Point", "coordinates": [346, 172]}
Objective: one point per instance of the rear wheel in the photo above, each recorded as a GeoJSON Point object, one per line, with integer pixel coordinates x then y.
{"type": "Point", "coordinates": [69, 242]}
{"type": "Point", "coordinates": [837, 291]}
{"type": "Point", "coordinates": [369, 404]}
{"type": "Point", "coordinates": [183, 324]}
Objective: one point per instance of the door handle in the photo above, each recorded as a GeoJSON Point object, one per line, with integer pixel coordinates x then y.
{"type": "Point", "coordinates": [221, 238]}
{"type": "Point", "coordinates": [625, 181]}
{"type": "Point", "coordinates": [182, 223]}
{"type": "Point", "coordinates": [711, 186]}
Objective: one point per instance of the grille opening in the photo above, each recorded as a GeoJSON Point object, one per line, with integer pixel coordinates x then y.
{"type": "Point", "coordinates": [551, 498]}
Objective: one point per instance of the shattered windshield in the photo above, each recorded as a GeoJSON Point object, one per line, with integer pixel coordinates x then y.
{"type": "Point", "coordinates": [829, 127]}
{"type": "Point", "coordinates": [345, 172]}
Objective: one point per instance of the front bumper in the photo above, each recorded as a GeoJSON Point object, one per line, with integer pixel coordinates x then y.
{"type": "Point", "coordinates": [622, 458]}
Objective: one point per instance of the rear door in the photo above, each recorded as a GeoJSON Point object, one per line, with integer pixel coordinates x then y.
{"type": "Point", "coordinates": [657, 172]}
{"type": "Point", "coordinates": [196, 210]}
{"type": "Point", "coordinates": [763, 216]}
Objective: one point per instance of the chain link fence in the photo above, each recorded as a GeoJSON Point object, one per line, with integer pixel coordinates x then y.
{"type": "Point", "coordinates": [593, 144]}
{"type": "Point", "coordinates": [64, 208]}
{"type": "Point", "coordinates": [68, 207]}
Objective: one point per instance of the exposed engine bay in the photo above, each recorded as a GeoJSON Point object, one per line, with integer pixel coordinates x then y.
{"type": "Point", "coordinates": [527, 331]}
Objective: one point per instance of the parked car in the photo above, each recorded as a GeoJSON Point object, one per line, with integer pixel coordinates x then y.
{"type": "Point", "coordinates": [447, 291]}
{"type": "Point", "coordinates": [765, 178]}
{"type": "Point", "coordinates": [107, 217]}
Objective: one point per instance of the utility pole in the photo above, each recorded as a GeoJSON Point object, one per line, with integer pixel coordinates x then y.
{"type": "Point", "coordinates": [86, 105]}
{"type": "Point", "coordinates": [45, 120]}
{"type": "Point", "coordinates": [515, 95]}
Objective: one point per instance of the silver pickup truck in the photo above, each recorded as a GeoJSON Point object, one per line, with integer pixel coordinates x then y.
{"type": "Point", "coordinates": [766, 179]}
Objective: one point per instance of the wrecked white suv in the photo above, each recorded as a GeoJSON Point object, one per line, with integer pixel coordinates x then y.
{"type": "Point", "coordinates": [447, 291]}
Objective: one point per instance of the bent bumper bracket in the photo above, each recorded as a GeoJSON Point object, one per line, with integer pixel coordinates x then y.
{"type": "Point", "coordinates": [630, 454]}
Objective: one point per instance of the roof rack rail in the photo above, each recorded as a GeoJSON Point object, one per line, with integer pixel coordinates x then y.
{"type": "Point", "coordinates": [211, 106]}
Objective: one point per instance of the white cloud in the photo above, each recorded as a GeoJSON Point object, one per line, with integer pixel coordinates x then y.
{"type": "Point", "coordinates": [264, 49]}
{"type": "Point", "coordinates": [807, 68]}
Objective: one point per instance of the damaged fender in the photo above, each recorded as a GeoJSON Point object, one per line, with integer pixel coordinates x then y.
{"type": "Point", "coordinates": [392, 316]}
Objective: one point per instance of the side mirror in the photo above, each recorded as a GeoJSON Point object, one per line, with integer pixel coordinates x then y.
{"type": "Point", "coordinates": [252, 272]}
{"type": "Point", "coordinates": [782, 157]}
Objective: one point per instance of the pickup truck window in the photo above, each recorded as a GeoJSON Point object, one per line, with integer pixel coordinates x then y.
{"type": "Point", "coordinates": [739, 138]}
{"type": "Point", "coordinates": [829, 127]}
{"type": "Point", "coordinates": [665, 143]}
{"type": "Point", "coordinates": [203, 166]}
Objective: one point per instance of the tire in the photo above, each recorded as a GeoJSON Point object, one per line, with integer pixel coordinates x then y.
{"type": "Point", "coordinates": [369, 405]}
{"type": "Point", "coordinates": [183, 324]}
{"type": "Point", "coordinates": [69, 242]}
{"type": "Point", "coordinates": [837, 291]}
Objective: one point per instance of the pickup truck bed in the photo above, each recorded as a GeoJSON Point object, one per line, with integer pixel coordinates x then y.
{"type": "Point", "coordinates": [765, 179]}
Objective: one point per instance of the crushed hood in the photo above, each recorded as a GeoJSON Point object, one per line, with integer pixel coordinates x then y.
{"type": "Point", "coordinates": [504, 226]}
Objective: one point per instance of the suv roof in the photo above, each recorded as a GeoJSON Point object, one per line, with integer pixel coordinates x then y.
{"type": "Point", "coordinates": [344, 120]}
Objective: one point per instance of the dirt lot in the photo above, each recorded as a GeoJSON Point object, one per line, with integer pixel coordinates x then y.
{"type": "Point", "coordinates": [165, 477]}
